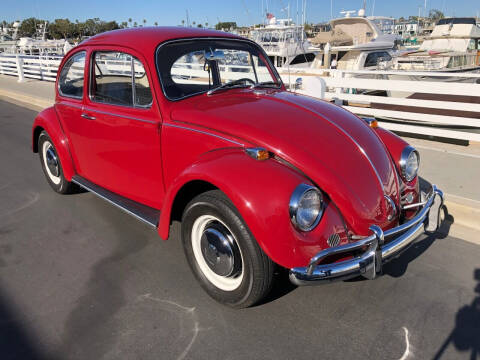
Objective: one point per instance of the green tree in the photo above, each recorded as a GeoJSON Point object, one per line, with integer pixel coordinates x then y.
{"type": "Point", "coordinates": [200, 26]}
{"type": "Point", "coordinates": [226, 25]}
{"type": "Point", "coordinates": [28, 27]}
{"type": "Point", "coordinates": [62, 29]}
{"type": "Point", "coordinates": [155, 23]}
{"type": "Point", "coordinates": [144, 21]}
{"type": "Point", "coordinates": [183, 22]}
{"type": "Point", "coordinates": [135, 24]}
{"type": "Point", "coordinates": [435, 14]}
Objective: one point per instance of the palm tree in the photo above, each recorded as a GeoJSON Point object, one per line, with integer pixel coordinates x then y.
{"type": "Point", "coordinates": [135, 24]}
{"type": "Point", "coordinates": [144, 21]}
{"type": "Point", "coordinates": [155, 23]}
{"type": "Point", "coordinates": [193, 23]}
{"type": "Point", "coordinates": [206, 24]}
{"type": "Point", "coordinates": [183, 22]}
{"type": "Point", "coordinates": [130, 21]}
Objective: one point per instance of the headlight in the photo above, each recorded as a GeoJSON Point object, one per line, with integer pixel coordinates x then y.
{"type": "Point", "coordinates": [306, 207]}
{"type": "Point", "coordinates": [409, 163]}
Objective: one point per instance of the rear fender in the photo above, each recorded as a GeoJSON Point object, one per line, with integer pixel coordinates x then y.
{"type": "Point", "coordinates": [260, 191]}
{"type": "Point", "coordinates": [48, 120]}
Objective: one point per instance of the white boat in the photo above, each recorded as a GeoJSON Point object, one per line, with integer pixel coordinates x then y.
{"type": "Point", "coordinates": [285, 43]}
{"type": "Point", "coordinates": [355, 43]}
{"type": "Point", "coordinates": [453, 46]}
{"type": "Point", "coordinates": [38, 45]}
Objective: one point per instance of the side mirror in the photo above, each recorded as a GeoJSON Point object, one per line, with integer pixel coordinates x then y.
{"type": "Point", "coordinates": [215, 55]}
{"type": "Point", "coordinates": [298, 83]}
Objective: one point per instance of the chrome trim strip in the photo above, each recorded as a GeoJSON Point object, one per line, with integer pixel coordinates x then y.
{"type": "Point", "coordinates": [71, 105]}
{"type": "Point", "coordinates": [203, 132]}
{"type": "Point", "coordinates": [372, 258]}
{"type": "Point", "coordinates": [120, 116]}
{"type": "Point", "coordinates": [411, 206]}
{"type": "Point", "coordinates": [114, 203]}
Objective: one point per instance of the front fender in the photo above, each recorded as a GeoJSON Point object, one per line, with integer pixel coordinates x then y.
{"type": "Point", "coordinates": [260, 191]}
{"type": "Point", "coordinates": [48, 120]}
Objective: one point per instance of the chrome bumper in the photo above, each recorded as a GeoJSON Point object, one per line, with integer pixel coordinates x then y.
{"type": "Point", "coordinates": [376, 250]}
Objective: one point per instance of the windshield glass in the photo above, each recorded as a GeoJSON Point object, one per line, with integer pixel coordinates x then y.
{"type": "Point", "coordinates": [193, 67]}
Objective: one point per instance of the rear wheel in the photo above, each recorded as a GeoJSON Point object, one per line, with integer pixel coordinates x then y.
{"type": "Point", "coordinates": [222, 253]}
{"type": "Point", "coordinates": [52, 166]}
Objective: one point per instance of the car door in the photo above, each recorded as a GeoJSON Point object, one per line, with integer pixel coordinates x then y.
{"type": "Point", "coordinates": [122, 121]}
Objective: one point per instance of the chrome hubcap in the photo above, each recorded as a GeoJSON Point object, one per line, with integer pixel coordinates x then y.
{"type": "Point", "coordinates": [220, 250]}
{"type": "Point", "coordinates": [52, 161]}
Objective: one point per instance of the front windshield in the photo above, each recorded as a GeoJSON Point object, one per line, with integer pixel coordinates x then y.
{"type": "Point", "coordinates": [193, 67]}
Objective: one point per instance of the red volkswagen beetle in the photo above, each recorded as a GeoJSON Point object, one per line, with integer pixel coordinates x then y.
{"type": "Point", "coordinates": [196, 125]}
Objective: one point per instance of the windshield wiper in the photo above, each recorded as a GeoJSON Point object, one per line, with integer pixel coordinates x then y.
{"type": "Point", "coordinates": [266, 84]}
{"type": "Point", "coordinates": [230, 85]}
{"type": "Point", "coordinates": [235, 84]}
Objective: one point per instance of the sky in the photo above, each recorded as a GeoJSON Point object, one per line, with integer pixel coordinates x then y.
{"type": "Point", "coordinates": [244, 12]}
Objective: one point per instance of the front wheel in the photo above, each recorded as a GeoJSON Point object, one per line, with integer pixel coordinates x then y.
{"type": "Point", "coordinates": [222, 253]}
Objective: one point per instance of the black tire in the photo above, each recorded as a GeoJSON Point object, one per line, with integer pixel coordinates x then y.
{"type": "Point", "coordinates": [56, 180]}
{"type": "Point", "coordinates": [257, 269]}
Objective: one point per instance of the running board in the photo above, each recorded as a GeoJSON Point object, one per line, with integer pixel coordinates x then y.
{"type": "Point", "coordinates": [142, 212]}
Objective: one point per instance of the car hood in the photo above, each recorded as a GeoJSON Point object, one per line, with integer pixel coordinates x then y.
{"type": "Point", "coordinates": [335, 149]}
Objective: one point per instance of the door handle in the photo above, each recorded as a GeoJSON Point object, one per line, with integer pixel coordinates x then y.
{"type": "Point", "coordinates": [85, 116]}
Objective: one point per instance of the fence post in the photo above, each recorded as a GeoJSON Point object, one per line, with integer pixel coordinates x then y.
{"type": "Point", "coordinates": [19, 61]}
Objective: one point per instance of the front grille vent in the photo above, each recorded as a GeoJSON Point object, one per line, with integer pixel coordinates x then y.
{"type": "Point", "coordinates": [333, 240]}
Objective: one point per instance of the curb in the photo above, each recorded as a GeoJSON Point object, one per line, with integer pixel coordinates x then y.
{"type": "Point", "coordinates": [28, 101]}
{"type": "Point", "coordinates": [465, 212]}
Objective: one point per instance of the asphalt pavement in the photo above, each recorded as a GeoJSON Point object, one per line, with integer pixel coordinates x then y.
{"type": "Point", "coordinates": [79, 279]}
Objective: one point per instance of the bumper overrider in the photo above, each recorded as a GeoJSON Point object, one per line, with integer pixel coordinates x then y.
{"type": "Point", "coordinates": [374, 250]}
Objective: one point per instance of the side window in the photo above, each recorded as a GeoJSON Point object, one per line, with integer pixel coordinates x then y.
{"type": "Point", "coordinates": [70, 82]}
{"type": "Point", "coordinates": [119, 79]}
{"type": "Point", "coordinates": [143, 94]}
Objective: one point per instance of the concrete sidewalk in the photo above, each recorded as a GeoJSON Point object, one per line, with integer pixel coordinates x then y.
{"type": "Point", "coordinates": [33, 94]}
{"type": "Point", "coordinates": [453, 168]}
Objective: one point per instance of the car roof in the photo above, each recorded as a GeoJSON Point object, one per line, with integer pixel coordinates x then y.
{"type": "Point", "coordinates": [148, 38]}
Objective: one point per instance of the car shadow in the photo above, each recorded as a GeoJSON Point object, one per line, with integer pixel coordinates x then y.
{"type": "Point", "coordinates": [281, 286]}
{"type": "Point", "coordinates": [398, 266]}
{"type": "Point", "coordinates": [465, 336]}
{"type": "Point", "coordinates": [16, 342]}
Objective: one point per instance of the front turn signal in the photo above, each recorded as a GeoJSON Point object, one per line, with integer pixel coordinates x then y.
{"type": "Point", "coordinates": [258, 153]}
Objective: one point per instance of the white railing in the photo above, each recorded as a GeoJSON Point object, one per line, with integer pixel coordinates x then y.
{"type": "Point", "coordinates": [30, 66]}
{"type": "Point", "coordinates": [458, 118]}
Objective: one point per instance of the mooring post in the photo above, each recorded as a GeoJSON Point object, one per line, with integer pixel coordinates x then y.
{"type": "Point", "coordinates": [19, 61]}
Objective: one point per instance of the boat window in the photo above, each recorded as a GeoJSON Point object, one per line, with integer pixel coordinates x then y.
{"type": "Point", "coordinates": [70, 82]}
{"type": "Point", "coordinates": [303, 58]}
{"type": "Point", "coordinates": [119, 79]}
{"type": "Point", "coordinates": [472, 45]}
{"type": "Point", "coordinates": [192, 67]}
{"type": "Point", "coordinates": [374, 58]}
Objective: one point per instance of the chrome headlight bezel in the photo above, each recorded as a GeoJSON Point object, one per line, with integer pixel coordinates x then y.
{"type": "Point", "coordinates": [295, 201]}
{"type": "Point", "coordinates": [406, 153]}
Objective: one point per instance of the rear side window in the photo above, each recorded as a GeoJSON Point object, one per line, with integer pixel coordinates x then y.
{"type": "Point", "coordinates": [70, 82]}
{"type": "Point", "coordinates": [119, 79]}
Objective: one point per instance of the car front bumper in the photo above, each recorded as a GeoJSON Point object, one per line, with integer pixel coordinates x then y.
{"type": "Point", "coordinates": [373, 251]}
